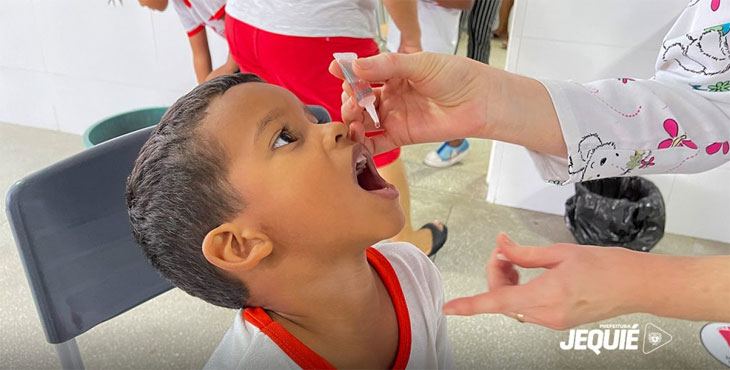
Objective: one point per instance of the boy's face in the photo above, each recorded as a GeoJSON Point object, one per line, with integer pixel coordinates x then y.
{"type": "Point", "coordinates": [298, 179]}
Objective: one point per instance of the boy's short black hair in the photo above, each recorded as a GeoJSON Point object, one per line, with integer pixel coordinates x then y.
{"type": "Point", "coordinates": [178, 191]}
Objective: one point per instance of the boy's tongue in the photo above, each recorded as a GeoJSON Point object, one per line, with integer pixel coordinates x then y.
{"type": "Point", "coordinates": [370, 180]}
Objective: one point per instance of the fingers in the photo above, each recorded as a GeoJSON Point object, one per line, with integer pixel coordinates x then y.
{"type": "Point", "coordinates": [356, 132]}
{"type": "Point", "coordinates": [352, 112]}
{"type": "Point", "coordinates": [527, 256]}
{"type": "Point", "coordinates": [335, 70]}
{"type": "Point", "coordinates": [380, 143]}
{"type": "Point", "coordinates": [504, 300]}
{"type": "Point", "coordinates": [500, 273]}
{"type": "Point", "coordinates": [385, 66]}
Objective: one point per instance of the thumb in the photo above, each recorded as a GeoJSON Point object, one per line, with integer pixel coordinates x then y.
{"type": "Point", "coordinates": [386, 66]}
{"type": "Point", "coordinates": [527, 256]}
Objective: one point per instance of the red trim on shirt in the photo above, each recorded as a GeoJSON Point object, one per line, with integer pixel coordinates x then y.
{"type": "Point", "coordinates": [390, 280]}
{"type": "Point", "coordinates": [296, 350]}
{"type": "Point", "coordinates": [218, 14]}
{"type": "Point", "coordinates": [195, 31]}
{"type": "Point", "coordinates": [187, 3]}
{"type": "Point", "coordinates": [308, 359]}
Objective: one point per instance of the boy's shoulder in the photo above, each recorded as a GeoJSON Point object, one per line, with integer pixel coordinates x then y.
{"type": "Point", "coordinates": [414, 269]}
{"type": "Point", "coordinates": [245, 346]}
{"type": "Point", "coordinates": [401, 250]}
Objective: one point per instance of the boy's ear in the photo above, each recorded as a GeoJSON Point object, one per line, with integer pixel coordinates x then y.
{"type": "Point", "coordinates": [232, 248]}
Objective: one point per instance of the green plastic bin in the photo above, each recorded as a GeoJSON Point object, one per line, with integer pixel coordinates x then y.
{"type": "Point", "coordinates": [121, 124]}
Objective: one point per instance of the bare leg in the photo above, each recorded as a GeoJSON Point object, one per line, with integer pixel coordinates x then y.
{"type": "Point", "coordinates": [395, 174]}
{"type": "Point", "coordinates": [504, 11]}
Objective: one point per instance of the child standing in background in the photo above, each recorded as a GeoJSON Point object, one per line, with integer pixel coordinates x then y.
{"type": "Point", "coordinates": [195, 15]}
{"type": "Point", "coordinates": [437, 23]}
{"type": "Point", "coordinates": [481, 18]}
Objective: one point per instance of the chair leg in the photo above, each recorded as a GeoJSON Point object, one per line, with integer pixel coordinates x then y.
{"type": "Point", "coordinates": [69, 355]}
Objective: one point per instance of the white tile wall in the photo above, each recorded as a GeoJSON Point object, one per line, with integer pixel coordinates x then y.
{"type": "Point", "coordinates": [523, 187]}
{"type": "Point", "coordinates": [93, 39]}
{"type": "Point", "coordinates": [553, 59]}
{"type": "Point", "coordinates": [25, 97]}
{"type": "Point", "coordinates": [81, 102]}
{"type": "Point", "coordinates": [699, 205]}
{"type": "Point", "coordinates": [19, 32]}
{"type": "Point", "coordinates": [600, 22]}
{"type": "Point", "coordinates": [586, 40]}
{"type": "Point", "coordinates": [66, 64]}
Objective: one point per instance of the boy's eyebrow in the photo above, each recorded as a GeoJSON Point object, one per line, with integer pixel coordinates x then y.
{"type": "Point", "coordinates": [268, 118]}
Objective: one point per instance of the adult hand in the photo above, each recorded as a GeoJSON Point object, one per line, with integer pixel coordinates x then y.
{"type": "Point", "coordinates": [582, 284]}
{"type": "Point", "coordinates": [429, 97]}
{"type": "Point", "coordinates": [425, 97]}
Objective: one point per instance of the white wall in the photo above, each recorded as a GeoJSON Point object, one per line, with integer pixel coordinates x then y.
{"type": "Point", "coordinates": [66, 64]}
{"type": "Point", "coordinates": [587, 40]}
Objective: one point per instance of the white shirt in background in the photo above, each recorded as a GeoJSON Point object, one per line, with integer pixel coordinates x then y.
{"type": "Point", "coordinates": [439, 29]}
{"type": "Point", "coordinates": [676, 122]}
{"type": "Point", "coordinates": [308, 18]}
{"type": "Point", "coordinates": [256, 342]}
{"type": "Point", "coordinates": [196, 14]}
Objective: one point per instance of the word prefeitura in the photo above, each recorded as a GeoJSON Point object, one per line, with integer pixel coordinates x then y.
{"type": "Point", "coordinates": [597, 339]}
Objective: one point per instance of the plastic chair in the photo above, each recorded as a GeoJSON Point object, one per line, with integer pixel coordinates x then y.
{"type": "Point", "coordinates": [72, 230]}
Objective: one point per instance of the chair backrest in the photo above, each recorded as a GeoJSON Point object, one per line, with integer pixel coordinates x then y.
{"type": "Point", "coordinates": [320, 113]}
{"type": "Point", "coordinates": [72, 230]}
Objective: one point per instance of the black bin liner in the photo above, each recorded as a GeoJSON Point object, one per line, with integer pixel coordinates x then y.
{"type": "Point", "coordinates": [622, 211]}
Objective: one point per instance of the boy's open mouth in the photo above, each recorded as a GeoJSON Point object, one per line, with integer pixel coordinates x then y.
{"type": "Point", "coordinates": [367, 176]}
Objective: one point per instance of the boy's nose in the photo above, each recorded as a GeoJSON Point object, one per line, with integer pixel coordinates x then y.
{"type": "Point", "coordinates": [335, 134]}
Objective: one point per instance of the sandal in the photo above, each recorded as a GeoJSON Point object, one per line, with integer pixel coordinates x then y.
{"type": "Point", "coordinates": [438, 238]}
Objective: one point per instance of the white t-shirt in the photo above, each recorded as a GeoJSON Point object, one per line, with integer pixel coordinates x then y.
{"type": "Point", "coordinates": [256, 342]}
{"type": "Point", "coordinates": [196, 14]}
{"type": "Point", "coordinates": [308, 18]}
{"type": "Point", "coordinates": [676, 122]}
{"type": "Point", "coordinates": [439, 28]}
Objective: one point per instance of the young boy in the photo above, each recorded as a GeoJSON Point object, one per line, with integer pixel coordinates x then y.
{"type": "Point", "coordinates": [195, 15]}
{"type": "Point", "coordinates": [241, 199]}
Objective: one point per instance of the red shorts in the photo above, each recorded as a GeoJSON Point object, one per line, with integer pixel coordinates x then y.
{"type": "Point", "coordinates": [299, 64]}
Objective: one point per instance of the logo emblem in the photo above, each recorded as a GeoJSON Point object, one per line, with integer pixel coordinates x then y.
{"type": "Point", "coordinates": [716, 339]}
{"type": "Point", "coordinates": [654, 338]}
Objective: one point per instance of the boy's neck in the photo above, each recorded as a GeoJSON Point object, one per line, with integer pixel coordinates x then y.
{"type": "Point", "coordinates": [344, 313]}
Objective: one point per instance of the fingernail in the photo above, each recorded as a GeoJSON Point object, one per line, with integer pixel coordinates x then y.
{"type": "Point", "coordinates": [502, 257]}
{"type": "Point", "coordinates": [364, 63]}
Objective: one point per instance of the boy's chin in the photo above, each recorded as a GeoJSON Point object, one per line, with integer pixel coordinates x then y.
{"type": "Point", "coordinates": [390, 226]}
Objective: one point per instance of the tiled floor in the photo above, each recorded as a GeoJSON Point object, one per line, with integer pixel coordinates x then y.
{"type": "Point", "coordinates": [175, 331]}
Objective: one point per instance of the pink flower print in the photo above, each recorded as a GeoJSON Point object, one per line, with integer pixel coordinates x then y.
{"type": "Point", "coordinates": [647, 163]}
{"type": "Point", "coordinates": [626, 80]}
{"type": "Point", "coordinates": [675, 140]}
{"type": "Point", "coordinates": [714, 5]}
{"type": "Point", "coordinates": [715, 147]}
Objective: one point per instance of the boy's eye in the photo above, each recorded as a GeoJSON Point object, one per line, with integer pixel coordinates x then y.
{"type": "Point", "coordinates": [283, 138]}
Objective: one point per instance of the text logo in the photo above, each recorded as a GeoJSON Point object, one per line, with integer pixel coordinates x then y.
{"type": "Point", "coordinates": [616, 337]}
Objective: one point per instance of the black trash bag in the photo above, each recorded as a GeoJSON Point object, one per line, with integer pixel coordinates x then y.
{"type": "Point", "coordinates": [621, 211]}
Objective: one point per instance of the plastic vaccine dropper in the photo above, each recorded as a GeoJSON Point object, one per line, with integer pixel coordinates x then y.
{"type": "Point", "coordinates": [363, 92]}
